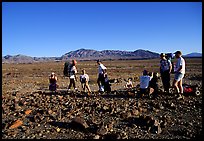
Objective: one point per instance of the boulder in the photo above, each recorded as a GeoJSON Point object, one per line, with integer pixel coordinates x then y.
{"type": "Point", "coordinates": [80, 122]}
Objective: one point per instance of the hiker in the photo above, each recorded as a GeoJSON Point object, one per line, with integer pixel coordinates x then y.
{"type": "Point", "coordinates": [144, 83]}
{"type": "Point", "coordinates": [72, 76]}
{"type": "Point", "coordinates": [53, 82]}
{"type": "Point", "coordinates": [165, 71]}
{"type": "Point", "coordinates": [101, 77]}
{"type": "Point", "coordinates": [107, 85]}
{"type": "Point", "coordinates": [179, 74]}
{"type": "Point", "coordinates": [84, 79]}
{"type": "Point", "coordinates": [129, 84]}
{"type": "Point", "coordinates": [153, 83]}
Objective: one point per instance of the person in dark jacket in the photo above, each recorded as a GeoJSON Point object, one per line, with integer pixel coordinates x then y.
{"type": "Point", "coordinates": [165, 71]}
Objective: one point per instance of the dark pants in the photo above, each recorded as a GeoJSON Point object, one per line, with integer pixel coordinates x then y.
{"type": "Point", "coordinates": [101, 80]}
{"type": "Point", "coordinates": [53, 87]}
{"type": "Point", "coordinates": [72, 82]}
{"type": "Point", "coordinates": [165, 76]}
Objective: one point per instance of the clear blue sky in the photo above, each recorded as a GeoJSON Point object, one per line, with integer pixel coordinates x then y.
{"type": "Point", "coordinates": [40, 29]}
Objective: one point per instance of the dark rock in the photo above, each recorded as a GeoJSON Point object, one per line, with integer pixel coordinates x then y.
{"type": "Point", "coordinates": [80, 122]}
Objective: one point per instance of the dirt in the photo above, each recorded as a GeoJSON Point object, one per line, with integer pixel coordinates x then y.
{"type": "Point", "coordinates": [29, 111]}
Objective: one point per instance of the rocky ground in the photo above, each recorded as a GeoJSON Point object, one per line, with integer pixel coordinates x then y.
{"type": "Point", "coordinates": [117, 115]}
{"type": "Point", "coordinates": [31, 112]}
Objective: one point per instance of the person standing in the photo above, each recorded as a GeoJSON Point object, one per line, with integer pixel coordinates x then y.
{"type": "Point", "coordinates": [179, 74]}
{"type": "Point", "coordinates": [84, 79]}
{"type": "Point", "coordinates": [101, 75]}
{"type": "Point", "coordinates": [72, 77]}
{"type": "Point", "coordinates": [165, 71]}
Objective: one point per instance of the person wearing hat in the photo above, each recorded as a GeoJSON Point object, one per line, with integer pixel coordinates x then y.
{"type": "Point", "coordinates": [72, 77]}
{"type": "Point", "coordinates": [165, 71]}
{"type": "Point", "coordinates": [179, 71]}
{"type": "Point", "coordinates": [53, 82]}
{"type": "Point", "coordinates": [101, 75]}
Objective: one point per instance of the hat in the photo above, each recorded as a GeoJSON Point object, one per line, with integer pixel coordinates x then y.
{"type": "Point", "coordinates": [53, 73]}
{"type": "Point", "coordinates": [98, 60]}
{"type": "Point", "coordinates": [162, 54]}
{"type": "Point", "coordinates": [178, 52]}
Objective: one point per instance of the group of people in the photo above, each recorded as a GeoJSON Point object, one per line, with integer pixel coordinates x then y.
{"type": "Point", "coordinates": [103, 81]}
{"type": "Point", "coordinates": [148, 81]}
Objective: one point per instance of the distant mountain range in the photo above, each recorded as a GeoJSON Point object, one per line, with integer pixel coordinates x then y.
{"type": "Point", "coordinates": [194, 54]}
{"type": "Point", "coordinates": [88, 54]}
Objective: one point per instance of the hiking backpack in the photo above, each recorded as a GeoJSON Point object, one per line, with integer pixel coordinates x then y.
{"type": "Point", "coordinates": [67, 69]}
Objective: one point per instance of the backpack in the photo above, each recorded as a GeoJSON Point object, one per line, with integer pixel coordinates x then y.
{"type": "Point", "coordinates": [67, 69]}
{"type": "Point", "coordinates": [170, 56]}
{"type": "Point", "coordinates": [83, 80]}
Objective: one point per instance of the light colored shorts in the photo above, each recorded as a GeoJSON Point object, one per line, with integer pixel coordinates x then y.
{"type": "Point", "coordinates": [178, 76]}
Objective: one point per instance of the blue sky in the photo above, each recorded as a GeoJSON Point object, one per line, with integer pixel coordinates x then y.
{"type": "Point", "coordinates": [48, 29]}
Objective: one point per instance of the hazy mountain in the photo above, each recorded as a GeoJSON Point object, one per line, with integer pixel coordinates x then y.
{"type": "Point", "coordinates": [194, 54]}
{"type": "Point", "coordinates": [17, 59]}
{"type": "Point", "coordinates": [88, 54]}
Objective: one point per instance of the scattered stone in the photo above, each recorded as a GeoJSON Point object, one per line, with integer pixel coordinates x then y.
{"type": "Point", "coordinates": [27, 112]}
{"type": "Point", "coordinates": [97, 137]}
{"type": "Point", "coordinates": [80, 122]}
{"type": "Point", "coordinates": [16, 124]}
{"type": "Point", "coordinates": [58, 130]}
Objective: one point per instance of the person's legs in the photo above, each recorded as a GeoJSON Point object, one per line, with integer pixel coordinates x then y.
{"type": "Point", "coordinates": [98, 81]}
{"type": "Point", "coordinates": [168, 81]}
{"type": "Point", "coordinates": [180, 86]}
{"type": "Point", "coordinates": [175, 85]}
{"type": "Point", "coordinates": [83, 87]}
{"type": "Point", "coordinates": [87, 86]}
{"type": "Point", "coordinates": [163, 80]}
{"type": "Point", "coordinates": [74, 85]}
{"type": "Point", "coordinates": [70, 83]}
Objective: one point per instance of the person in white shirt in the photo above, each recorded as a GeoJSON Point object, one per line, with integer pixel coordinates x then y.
{"type": "Point", "coordinates": [72, 77]}
{"type": "Point", "coordinates": [144, 82]}
{"type": "Point", "coordinates": [84, 79]}
{"type": "Point", "coordinates": [179, 71]}
{"type": "Point", "coordinates": [101, 75]}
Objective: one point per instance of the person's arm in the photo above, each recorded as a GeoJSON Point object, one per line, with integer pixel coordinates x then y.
{"type": "Point", "coordinates": [75, 72]}
{"type": "Point", "coordinates": [170, 67]}
{"type": "Point", "coordinates": [131, 84]}
{"type": "Point", "coordinates": [103, 68]}
{"type": "Point", "coordinates": [179, 68]}
{"type": "Point", "coordinates": [87, 78]}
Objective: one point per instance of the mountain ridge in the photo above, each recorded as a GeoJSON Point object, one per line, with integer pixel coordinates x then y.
{"type": "Point", "coordinates": [90, 54]}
